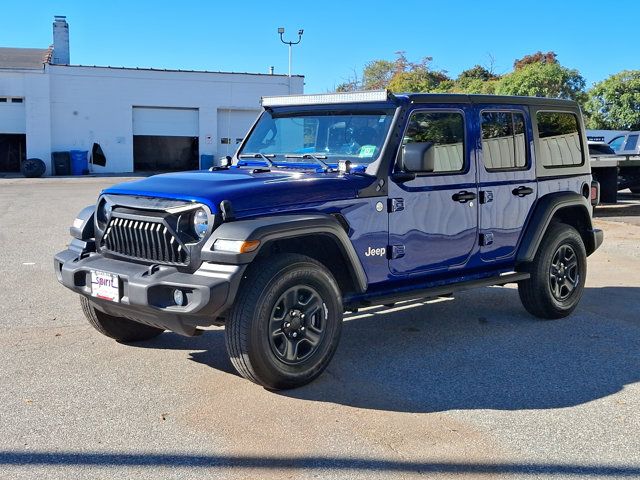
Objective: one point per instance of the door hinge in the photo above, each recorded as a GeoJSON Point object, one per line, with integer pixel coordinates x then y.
{"type": "Point", "coordinates": [486, 196]}
{"type": "Point", "coordinates": [486, 239]}
{"type": "Point", "coordinates": [396, 204]}
{"type": "Point", "coordinates": [396, 251]}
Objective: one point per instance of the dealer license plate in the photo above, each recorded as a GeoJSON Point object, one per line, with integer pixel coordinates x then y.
{"type": "Point", "coordinates": [105, 286]}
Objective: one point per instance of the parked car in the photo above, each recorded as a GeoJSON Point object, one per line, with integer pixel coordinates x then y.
{"type": "Point", "coordinates": [604, 168]}
{"type": "Point", "coordinates": [628, 144]}
{"type": "Point", "coordinates": [599, 149]}
{"type": "Point", "coordinates": [335, 202]}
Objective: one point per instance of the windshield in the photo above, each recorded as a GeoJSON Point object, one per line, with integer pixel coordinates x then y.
{"type": "Point", "coordinates": [354, 136]}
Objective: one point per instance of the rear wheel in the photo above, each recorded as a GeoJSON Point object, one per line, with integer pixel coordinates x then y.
{"type": "Point", "coordinates": [285, 324]}
{"type": "Point", "coordinates": [118, 328]}
{"type": "Point", "coordinates": [558, 273]}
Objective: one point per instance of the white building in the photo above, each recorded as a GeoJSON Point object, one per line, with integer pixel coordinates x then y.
{"type": "Point", "coordinates": [143, 119]}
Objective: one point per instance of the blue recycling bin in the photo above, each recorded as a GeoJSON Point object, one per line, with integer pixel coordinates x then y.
{"type": "Point", "coordinates": [206, 161]}
{"type": "Point", "coordinates": [79, 162]}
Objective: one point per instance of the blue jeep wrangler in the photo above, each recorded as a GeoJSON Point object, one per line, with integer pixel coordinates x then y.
{"type": "Point", "coordinates": [339, 201]}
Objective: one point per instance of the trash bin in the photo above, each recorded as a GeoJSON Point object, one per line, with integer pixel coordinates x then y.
{"type": "Point", "coordinates": [61, 163]}
{"type": "Point", "coordinates": [206, 161]}
{"type": "Point", "coordinates": [79, 162]}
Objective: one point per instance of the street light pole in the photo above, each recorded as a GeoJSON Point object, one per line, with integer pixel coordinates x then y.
{"type": "Point", "coordinates": [290, 43]}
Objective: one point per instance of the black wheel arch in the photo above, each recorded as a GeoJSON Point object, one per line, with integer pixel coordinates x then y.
{"type": "Point", "coordinates": [318, 236]}
{"type": "Point", "coordinates": [570, 208]}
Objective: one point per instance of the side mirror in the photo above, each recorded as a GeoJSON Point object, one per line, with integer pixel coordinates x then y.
{"type": "Point", "coordinates": [417, 157]}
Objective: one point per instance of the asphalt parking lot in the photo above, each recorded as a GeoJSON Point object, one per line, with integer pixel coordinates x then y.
{"type": "Point", "coordinates": [472, 387]}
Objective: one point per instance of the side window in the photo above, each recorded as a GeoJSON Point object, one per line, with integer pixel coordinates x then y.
{"type": "Point", "coordinates": [445, 132]}
{"type": "Point", "coordinates": [632, 142]}
{"type": "Point", "coordinates": [560, 144]}
{"type": "Point", "coordinates": [503, 141]}
{"type": "Point", "coordinates": [616, 143]}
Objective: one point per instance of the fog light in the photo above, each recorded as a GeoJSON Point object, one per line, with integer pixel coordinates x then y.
{"type": "Point", "coordinates": [178, 297]}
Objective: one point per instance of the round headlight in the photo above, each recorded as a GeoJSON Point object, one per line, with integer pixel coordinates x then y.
{"type": "Point", "coordinates": [104, 210]}
{"type": "Point", "coordinates": [200, 222]}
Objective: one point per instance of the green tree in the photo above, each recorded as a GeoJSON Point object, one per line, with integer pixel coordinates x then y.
{"type": "Point", "coordinates": [543, 80]}
{"type": "Point", "coordinates": [415, 77]}
{"type": "Point", "coordinates": [614, 103]}
{"type": "Point", "coordinates": [399, 75]}
{"type": "Point", "coordinates": [477, 79]}
{"type": "Point", "coordinates": [477, 72]}
{"type": "Point", "coordinates": [538, 57]}
{"type": "Point", "coordinates": [377, 74]}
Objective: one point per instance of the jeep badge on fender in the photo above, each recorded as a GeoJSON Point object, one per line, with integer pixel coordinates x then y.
{"type": "Point", "coordinates": [462, 191]}
{"type": "Point", "coordinates": [375, 252]}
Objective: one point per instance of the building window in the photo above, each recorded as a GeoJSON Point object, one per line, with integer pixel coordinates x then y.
{"type": "Point", "coordinates": [16, 100]}
{"type": "Point", "coordinates": [3, 99]}
{"type": "Point", "coordinates": [445, 131]}
{"type": "Point", "coordinates": [560, 144]}
{"type": "Point", "coordinates": [503, 141]}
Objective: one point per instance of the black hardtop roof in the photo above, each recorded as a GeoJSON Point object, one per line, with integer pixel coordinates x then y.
{"type": "Point", "coordinates": [504, 99]}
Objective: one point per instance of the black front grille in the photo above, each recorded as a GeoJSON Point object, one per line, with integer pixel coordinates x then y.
{"type": "Point", "coordinates": [144, 240]}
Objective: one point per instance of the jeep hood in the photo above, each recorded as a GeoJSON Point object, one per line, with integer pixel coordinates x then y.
{"type": "Point", "coordinates": [246, 190]}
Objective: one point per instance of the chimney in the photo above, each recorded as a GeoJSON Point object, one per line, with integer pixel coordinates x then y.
{"type": "Point", "coordinates": [60, 41]}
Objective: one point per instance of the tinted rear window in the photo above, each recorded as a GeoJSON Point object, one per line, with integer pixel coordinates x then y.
{"type": "Point", "coordinates": [560, 144]}
{"type": "Point", "coordinates": [632, 142]}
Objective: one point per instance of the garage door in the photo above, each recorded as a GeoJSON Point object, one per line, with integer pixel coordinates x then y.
{"type": "Point", "coordinates": [12, 133]}
{"type": "Point", "coordinates": [12, 117]}
{"type": "Point", "coordinates": [165, 139]}
{"type": "Point", "coordinates": [233, 125]}
{"type": "Point", "coordinates": [171, 122]}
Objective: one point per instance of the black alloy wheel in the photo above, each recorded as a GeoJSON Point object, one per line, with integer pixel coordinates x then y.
{"type": "Point", "coordinates": [297, 325]}
{"type": "Point", "coordinates": [564, 273]}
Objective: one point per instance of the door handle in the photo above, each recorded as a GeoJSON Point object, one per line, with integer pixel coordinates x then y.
{"type": "Point", "coordinates": [522, 191]}
{"type": "Point", "coordinates": [463, 196]}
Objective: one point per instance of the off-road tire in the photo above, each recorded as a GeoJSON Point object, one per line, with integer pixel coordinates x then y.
{"type": "Point", "coordinates": [121, 329]}
{"type": "Point", "coordinates": [251, 330]}
{"type": "Point", "coordinates": [537, 293]}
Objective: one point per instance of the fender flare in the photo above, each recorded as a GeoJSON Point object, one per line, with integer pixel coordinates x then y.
{"type": "Point", "coordinates": [278, 227]}
{"type": "Point", "coordinates": [82, 227]}
{"type": "Point", "coordinates": [545, 209]}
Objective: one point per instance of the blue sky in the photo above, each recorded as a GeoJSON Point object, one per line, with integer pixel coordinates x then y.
{"type": "Point", "coordinates": [340, 36]}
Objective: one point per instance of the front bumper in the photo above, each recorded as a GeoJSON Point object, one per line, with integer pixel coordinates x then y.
{"type": "Point", "coordinates": [146, 294]}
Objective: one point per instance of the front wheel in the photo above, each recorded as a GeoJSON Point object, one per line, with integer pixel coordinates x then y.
{"type": "Point", "coordinates": [558, 273]}
{"type": "Point", "coordinates": [285, 324]}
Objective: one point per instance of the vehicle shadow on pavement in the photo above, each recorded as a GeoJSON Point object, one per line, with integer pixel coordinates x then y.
{"type": "Point", "coordinates": [257, 465]}
{"type": "Point", "coordinates": [208, 348]}
{"type": "Point", "coordinates": [627, 206]}
{"type": "Point", "coordinates": [481, 350]}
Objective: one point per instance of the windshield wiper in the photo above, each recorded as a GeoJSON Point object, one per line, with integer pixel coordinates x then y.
{"type": "Point", "coordinates": [318, 158]}
{"type": "Point", "coordinates": [262, 156]}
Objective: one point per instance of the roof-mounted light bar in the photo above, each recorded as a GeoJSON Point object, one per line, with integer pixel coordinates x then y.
{"type": "Point", "coordinates": [327, 98]}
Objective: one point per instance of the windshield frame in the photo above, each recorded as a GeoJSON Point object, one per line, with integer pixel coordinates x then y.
{"type": "Point", "coordinates": [373, 108]}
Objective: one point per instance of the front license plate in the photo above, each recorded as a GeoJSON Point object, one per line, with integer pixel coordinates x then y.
{"type": "Point", "coordinates": [105, 286]}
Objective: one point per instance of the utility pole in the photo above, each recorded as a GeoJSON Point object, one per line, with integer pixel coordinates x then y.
{"type": "Point", "coordinates": [290, 43]}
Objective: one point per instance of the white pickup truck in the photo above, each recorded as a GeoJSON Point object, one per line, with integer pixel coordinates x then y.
{"type": "Point", "coordinates": [615, 164]}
